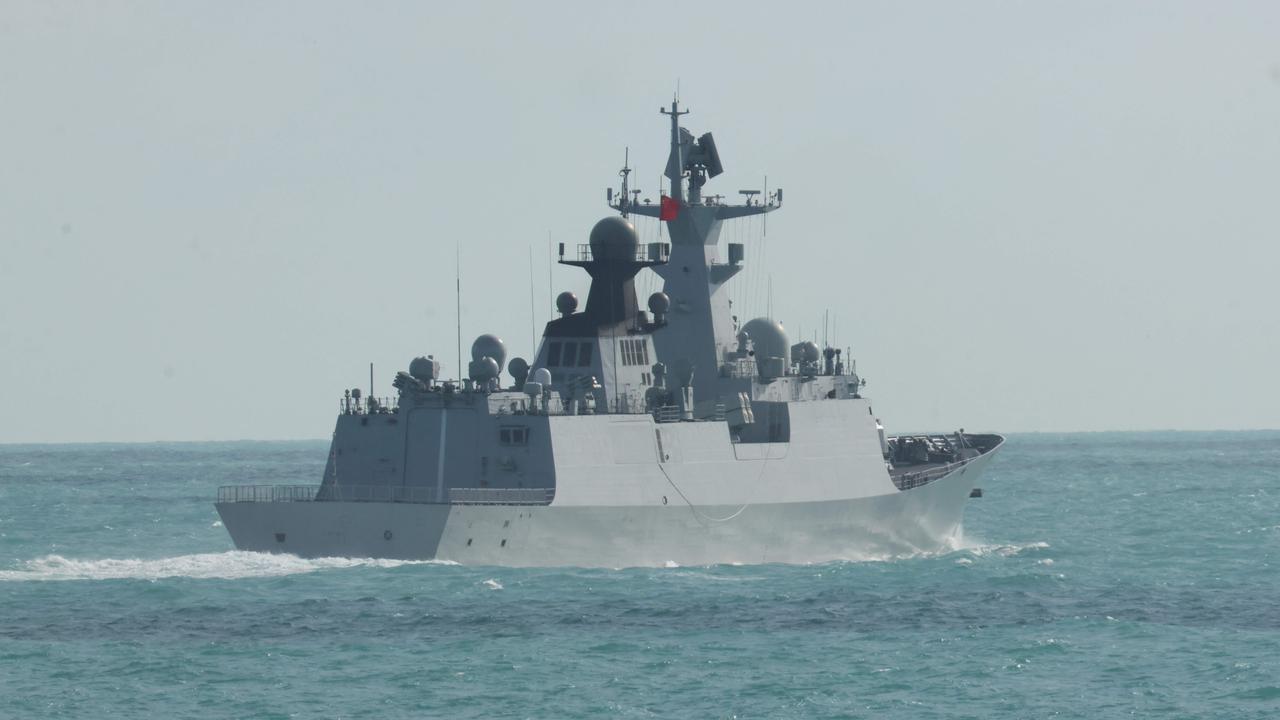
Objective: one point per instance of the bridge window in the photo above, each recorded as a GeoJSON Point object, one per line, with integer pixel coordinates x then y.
{"type": "Point", "coordinates": [635, 351]}
{"type": "Point", "coordinates": [569, 354]}
{"type": "Point", "coordinates": [513, 435]}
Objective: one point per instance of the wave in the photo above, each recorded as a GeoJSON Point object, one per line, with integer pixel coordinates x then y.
{"type": "Point", "coordinates": [960, 543]}
{"type": "Point", "coordinates": [1003, 550]}
{"type": "Point", "coordinates": [231, 565]}
{"type": "Point", "coordinates": [966, 548]}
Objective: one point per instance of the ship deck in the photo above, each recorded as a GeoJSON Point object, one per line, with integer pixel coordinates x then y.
{"type": "Point", "coordinates": [918, 460]}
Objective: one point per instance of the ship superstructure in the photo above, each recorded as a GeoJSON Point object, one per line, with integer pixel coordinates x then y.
{"type": "Point", "coordinates": [634, 437]}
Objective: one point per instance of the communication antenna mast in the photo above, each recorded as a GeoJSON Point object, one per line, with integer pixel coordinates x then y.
{"type": "Point", "coordinates": [457, 274]}
{"type": "Point", "coordinates": [623, 207]}
{"type": "Point", "coordinates": [675, 170]}
{"type": "Point", "coordinates": [533, 320]}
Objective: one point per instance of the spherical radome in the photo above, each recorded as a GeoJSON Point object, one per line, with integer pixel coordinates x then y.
{"type": "Point", "coordinates": [489, 346]}
{"type": "Point", "coordinates": [768, 338]}
{"type": "Point", "coordinates": [566, 303]}
{"type": "Point", "coordinates": [614, 238]}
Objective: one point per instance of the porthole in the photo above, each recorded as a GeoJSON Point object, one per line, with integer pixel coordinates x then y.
{"type": "Point", "coordinates": [504, 543]}
{"type": "Point", "coordinates": [386, 534]}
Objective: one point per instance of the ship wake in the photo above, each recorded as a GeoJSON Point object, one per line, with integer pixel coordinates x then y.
{"type": "Point", "coordinates": [231, 565]}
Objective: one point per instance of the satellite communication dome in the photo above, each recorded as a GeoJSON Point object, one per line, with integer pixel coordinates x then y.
{"type": "Point", "coordinates": [659, 303]}
{"type": "Point", "coordinates": [566, 303]}
{"type": "Point", "coordinates": [808, 352]}
{"type": "Point", "coordinates": [769, 339]}
{"type": "Point", "coordinates": [484, 369]}
{"type": "Point", "coordinates": [614, 238]}
{"type": "Point", "coordinates": [489, 346]}
{"type": "Point", "coordinates": [543, 376]}
{"type": "Point", "coordinates": [519, 369]}
{"type": "Point", "coordinates": [424, 369]}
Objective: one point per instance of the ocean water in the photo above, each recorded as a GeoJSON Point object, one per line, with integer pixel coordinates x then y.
{"type": "Point", "coordinates": [1102, 575]}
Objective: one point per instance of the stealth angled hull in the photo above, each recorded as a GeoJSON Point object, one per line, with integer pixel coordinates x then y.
{"type": "Point", "coordinates": [923, 519]}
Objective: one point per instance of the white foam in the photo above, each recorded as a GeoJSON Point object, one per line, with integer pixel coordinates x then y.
{"type": "Point", "coordinates": [492, 584]}
{"type": "Point", "coordinates": [230, 565]}
{"type": "Point", "coordinates": [982, 550]}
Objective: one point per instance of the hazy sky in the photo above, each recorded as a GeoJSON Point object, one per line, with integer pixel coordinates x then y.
{"type": "Point", "coordinates": [1023, 216]}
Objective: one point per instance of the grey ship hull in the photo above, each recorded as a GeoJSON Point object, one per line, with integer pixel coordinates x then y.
{"type": "Point", "coordinates": [925, 519]}
{"type": "Point", "coordinates": [661, 523]}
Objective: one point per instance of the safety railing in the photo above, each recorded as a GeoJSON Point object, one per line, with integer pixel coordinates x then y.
{"type": "Point", "coordinates": [383, 493]}
{"type": "Point", "coordinates": [666, 414]}
{"type": "Point", "coordinates": [501, 496]}
{"type": "Point", "coordinates": [348, 405]}
{"type": "Point", "coordinates": [909, 481]}
{"type": "Point", "coordinates": [644, 252]}
{"type": "Point", "coordinates": [267, 493]}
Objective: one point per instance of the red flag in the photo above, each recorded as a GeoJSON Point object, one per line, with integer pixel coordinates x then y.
{"type": "Point", "coordinates": [669, 208]}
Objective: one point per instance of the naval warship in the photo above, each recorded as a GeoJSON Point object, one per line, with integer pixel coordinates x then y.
{"type": "Point", "coordinates": [669, 435]}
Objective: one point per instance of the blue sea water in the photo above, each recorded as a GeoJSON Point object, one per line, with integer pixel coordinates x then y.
{"type": "Point", "coordinates": [1102, 575]}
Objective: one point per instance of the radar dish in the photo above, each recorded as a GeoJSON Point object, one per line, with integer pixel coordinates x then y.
{"type": "Point", "coordinates": [711, 157]}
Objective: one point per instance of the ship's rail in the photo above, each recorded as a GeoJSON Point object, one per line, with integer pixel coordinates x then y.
{"type": "Point", "coordinates": [501, 496]}
{"type": "Point", "coordinates": [907, 480]}
{"type": "Point", "coordinates": [911, 480]}
{"type": "Point", "coordinates": [384, 494]}
{"type": "Point", "coordinates": [348, 405]}
{"type": "Point", "coordinates": [656, 252]}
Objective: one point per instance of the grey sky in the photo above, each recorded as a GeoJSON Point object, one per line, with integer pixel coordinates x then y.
{"type": "Point", "coordinates": [1023, 216]}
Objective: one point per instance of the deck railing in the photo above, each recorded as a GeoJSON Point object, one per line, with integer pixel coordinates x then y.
{"type": "Point", "coordinates": [383, 493]}
{"type": "Point", "coordinates": [908, 481]}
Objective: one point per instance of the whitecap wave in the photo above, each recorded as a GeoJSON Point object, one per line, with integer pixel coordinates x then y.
{"type": "Point", "coordinates": [1007, 550]}
{"type": "Point", "coordinates": [229, 565]}
{"type": "Point", "coordinates": [492, 584]}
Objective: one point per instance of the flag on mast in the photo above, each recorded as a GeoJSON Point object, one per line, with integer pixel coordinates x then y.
{"type": "Point", "coordinates": [669, 208]}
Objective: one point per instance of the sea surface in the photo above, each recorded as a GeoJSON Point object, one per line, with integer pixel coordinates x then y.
{"type": "Point", "coordinates": [1101, 576]}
